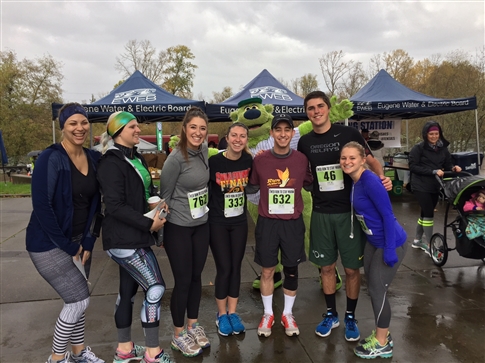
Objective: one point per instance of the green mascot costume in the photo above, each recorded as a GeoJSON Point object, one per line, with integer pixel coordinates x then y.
{"type": "Point", "coordinates": [257, 117]}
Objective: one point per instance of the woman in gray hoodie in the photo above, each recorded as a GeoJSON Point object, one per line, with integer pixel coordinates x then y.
{"type": "Point", "coordinates": [184, 186]}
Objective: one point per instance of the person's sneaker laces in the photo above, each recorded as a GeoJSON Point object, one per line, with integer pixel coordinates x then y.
{"type": "Point", "coordinates": [264, 328]}
{"type": "Point", "coordinates": [66, 359]}
{"type": "Point", "coordinates": [136, 353]}
{"type": "Point", "coordinates": [288, 321]}
{"type": "Point", "coordinates": [198, 334]}
{"type": "Point", "coordinates": [373, 349]}
{"type": "Point", "coordinates": [223, 324]}
{"type": "Point", "coordinates": [325, 327]}
{"type": "Point", "coordinates": [161, 357]}
{"type": "Point", "coordinates": [236, 323]}
{"type": "Point", "coordinates": [352, 333]}
{"type": "Point", "coordinates": [185, 344]}
{"type": "Point", "coordinates": [373, 335]}
{"type": "Point", "coordinates": [86, 356]}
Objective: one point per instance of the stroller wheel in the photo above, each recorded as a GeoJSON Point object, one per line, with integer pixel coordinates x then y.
{"type": "Point", "coordinates": [438, 249]}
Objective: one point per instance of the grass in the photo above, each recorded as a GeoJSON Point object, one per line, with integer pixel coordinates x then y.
{"type": "Point", "coordinates": [7, 189]}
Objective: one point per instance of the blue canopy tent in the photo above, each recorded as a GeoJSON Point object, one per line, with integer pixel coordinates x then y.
{"type": "Point", "coordinates": [140, 96]}
{"type": "Point", "coordinates": [385, 98]}
{"type": "Point", "coordinates": [270, 90]}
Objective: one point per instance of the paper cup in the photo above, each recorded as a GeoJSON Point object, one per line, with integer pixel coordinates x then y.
{"type": "Point", "coordinates": [153, 201]}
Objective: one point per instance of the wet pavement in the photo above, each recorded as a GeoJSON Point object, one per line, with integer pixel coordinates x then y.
{"type": "Point", "coordinates": [438, 313]}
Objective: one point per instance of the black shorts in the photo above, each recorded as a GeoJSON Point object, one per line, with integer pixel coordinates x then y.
{"type": "Point", "coordinates": [274, 235]}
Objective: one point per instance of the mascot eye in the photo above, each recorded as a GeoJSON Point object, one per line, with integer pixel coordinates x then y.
{"type": "Point", "coordinates": [247, 108]}
{"type": "Point", "coordinates": [254, 107]}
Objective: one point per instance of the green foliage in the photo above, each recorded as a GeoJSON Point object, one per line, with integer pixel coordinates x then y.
{"type": "Point", "coordinates": [27, 89]}
{"type": "Point", "coordinates": [180, 71]}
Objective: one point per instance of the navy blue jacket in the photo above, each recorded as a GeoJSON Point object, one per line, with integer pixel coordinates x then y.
{"type": "Point", "coordinates": [50, 224]}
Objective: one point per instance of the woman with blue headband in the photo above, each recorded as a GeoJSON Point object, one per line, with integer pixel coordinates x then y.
{"type": "Point", "coordinates": [128, 235]}
{"type": "Point", "coordinates": [65, 200]}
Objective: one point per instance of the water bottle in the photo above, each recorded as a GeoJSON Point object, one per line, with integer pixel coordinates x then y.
{"type": "Point", "coordinates": [458, 233]}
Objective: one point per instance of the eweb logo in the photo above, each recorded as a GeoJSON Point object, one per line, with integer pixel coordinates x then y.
{"type": "Point", "coordinates": [139, 95]}
{"type": "Point", "coordinates": [270, 92]}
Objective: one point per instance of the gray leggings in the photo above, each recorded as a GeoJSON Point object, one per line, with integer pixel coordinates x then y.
{"type": "Point", "coordinates": [379, 276]}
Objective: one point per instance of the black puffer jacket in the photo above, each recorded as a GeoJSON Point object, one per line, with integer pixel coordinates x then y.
{"type": "Point", "coordinates": [124, 225]}
{"type": "Point", "coordinates": [424, 161]}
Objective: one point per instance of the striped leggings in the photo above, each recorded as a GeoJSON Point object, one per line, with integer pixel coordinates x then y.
{"type": "Point", "coordinates": [58, 269]}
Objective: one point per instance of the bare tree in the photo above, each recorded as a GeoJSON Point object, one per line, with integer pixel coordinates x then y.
{"type": "Point", "coordinates": [334, 70]}
{"type": "Point", "coordinates": [142, 56]}
{"type": "Point", "coordinates": [218, 97]}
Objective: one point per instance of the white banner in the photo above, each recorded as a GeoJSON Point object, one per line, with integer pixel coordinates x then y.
{"type": "Point", "coordinates": [389, 130]}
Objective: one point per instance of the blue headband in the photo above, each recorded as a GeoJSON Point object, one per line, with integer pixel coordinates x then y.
{"type": "Point", "coordinates": [69, 111]}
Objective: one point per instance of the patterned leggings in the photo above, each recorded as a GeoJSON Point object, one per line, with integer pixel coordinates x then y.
{"type": "Point", "coordinates": [138, 268]}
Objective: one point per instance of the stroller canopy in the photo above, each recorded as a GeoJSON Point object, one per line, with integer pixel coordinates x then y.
{"type": "Point", "coordinates": [454, 188]}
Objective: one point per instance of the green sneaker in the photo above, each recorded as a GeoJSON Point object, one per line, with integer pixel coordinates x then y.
{"type": "Point", "coordinates": [373, 335]}
{"type": "Point", "coordinates": [373, 349]}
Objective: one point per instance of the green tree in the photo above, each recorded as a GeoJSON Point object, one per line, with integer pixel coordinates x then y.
{"type": "Point", "coordinates": [27, 89]}
{"type": "Point", "coordinates": [180, 71]}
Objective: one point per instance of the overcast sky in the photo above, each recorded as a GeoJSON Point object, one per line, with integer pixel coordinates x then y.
{"type": "Point", "coordinates": [232, 41]}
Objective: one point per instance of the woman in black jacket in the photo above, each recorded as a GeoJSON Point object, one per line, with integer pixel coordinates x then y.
{"type": "Point", "coordinates": [126, 185]}
{"type": "Point", "coordinates": [427, 159]}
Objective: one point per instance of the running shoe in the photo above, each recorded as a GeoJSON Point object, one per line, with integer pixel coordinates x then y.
{"type": "Point", "coordinates": [418, 243]}
{"type": "Point", "coordinates": [352, 333]}
{"type": "Point", "coordinates": [186, 344]}
{"type": "Point", "coordinates": [159, 358]}
{"type": "Point", "coordinates": [137, 353]}
{"type": "Point", "coordinates": [236, 323]}
{"type": "Point", "coordinates": [86, 356]}
{"type": "Point", "coordinates": [66, 359]}
{"type": "Point", "coordinates": [276, 278]}
{"type": "Point", "coordinates": [198, 334]}
{"type": "Point", "coordinates": [373, 349]}
{"type": "Point", "coordinates": [328, 323]}
{"type": "Point", "coordinates": [264, 328]}
{"type": "Point", "coordinates": [288, 321]}
{"type": "Point", "coordinates": [373, 335]}
{"type": "Point", "coordinates": [224, 326]}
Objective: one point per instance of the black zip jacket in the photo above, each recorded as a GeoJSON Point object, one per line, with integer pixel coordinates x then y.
{"type": "Point", "coordinates": [124, 225]}
{"type": "Point", "coordinates": [424, 161]}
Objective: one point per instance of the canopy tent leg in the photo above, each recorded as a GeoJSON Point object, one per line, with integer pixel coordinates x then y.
{"type": "Point", "coordinates": [478, 139]}
{"type": "Point", "coordinates": [53, 131]}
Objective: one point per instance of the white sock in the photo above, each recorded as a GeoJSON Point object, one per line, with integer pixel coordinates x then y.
{"type": "Point", "coordinates": [289, 301]}
{"type": "Point", "coordinates": [268, 304]}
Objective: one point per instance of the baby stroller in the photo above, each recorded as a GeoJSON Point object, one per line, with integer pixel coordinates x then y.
{"type": "Point", "coordinates": [457, 190]}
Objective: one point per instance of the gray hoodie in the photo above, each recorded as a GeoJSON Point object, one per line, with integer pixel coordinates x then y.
{"type": "Point", "coordinates": [180, 177]}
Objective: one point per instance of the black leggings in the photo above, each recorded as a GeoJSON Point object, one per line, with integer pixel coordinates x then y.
{"type": "Point", "coordinates": [427, 201]}
{"type": "Point", "coordinates": [186, 249]}
{"type": "Point", "coordinates": [228, 244]}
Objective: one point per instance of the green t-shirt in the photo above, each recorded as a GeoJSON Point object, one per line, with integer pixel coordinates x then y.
{"type": "Point", "coordinates": [145, 174]}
